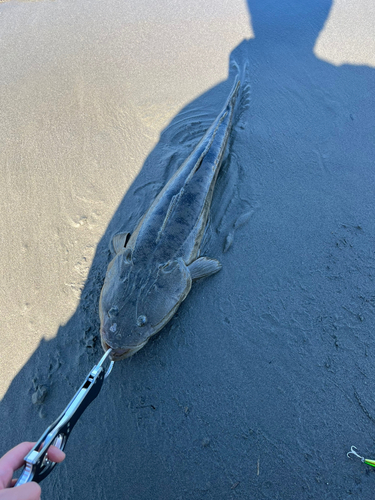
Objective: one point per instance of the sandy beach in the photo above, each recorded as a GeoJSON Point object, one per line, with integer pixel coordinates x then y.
{"type": "Point", "coordinates": [262, 381]}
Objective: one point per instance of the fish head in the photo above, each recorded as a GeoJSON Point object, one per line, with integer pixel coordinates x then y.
{"type": "Point", "coordinates": [138, 300]}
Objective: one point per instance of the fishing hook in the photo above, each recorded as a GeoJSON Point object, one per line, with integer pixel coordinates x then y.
{"type": "Point", "coordinates": [363, 459]}
{"type": "Point", "coordinates": [353, 452]}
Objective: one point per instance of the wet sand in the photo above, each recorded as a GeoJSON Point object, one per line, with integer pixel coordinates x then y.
{"type": "Point", "coordinates": [262, 381]}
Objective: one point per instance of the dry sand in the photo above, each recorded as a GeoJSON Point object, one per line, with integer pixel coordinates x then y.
{"type": "Point", "coordinates": [263, 380]}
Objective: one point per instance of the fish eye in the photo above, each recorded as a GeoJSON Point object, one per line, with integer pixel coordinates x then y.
{"type": "Point", "coordinates": [113, 312]}
{"type": "Point", "coordinates": [142, 320]}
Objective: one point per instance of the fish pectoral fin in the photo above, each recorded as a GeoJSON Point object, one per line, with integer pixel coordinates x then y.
{"type": "Point", "coordinates": [119, 241]}
{"type": "Point", "coordinates": [203, 267]}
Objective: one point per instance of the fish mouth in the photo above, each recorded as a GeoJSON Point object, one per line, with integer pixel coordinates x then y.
{"type": "Point", "coordinates": [119, 354]}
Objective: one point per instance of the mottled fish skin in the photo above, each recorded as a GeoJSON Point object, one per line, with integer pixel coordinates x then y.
{"type": "Point", "coordinates": [153, 269]}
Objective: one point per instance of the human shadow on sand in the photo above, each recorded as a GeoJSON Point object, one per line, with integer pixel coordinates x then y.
{"type": "Point", "coordinates": [262, 381]}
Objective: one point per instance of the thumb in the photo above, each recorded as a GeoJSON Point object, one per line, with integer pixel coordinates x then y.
{"type": "Point", "coordinates": [28, 491]}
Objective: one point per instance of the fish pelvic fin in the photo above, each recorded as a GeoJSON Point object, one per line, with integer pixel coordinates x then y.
{"type": "Point", "coordinates": [203, 267]}
{"type": "Point", "coordinates": [119, 242]}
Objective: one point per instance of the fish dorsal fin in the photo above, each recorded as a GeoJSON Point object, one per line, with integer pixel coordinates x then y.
{"type": "Point", "coordinates": [172, 205]}
{"type": "Point", "coordinates": [203, 267]}
{"type": "Point", "coordinates": [119, 241]}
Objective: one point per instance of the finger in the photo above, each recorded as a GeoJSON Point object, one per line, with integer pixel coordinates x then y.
{"type": "Point", "coordinates": [55, 454]}
{"type": "Point", "coordinates": [28, 491]}
{"type": "Point", "coordinates": [14, 458]}
{"type": "Point", "coordinates": [11, 461]}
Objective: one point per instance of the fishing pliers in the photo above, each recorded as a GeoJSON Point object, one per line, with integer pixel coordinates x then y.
{"type": "Point", "coordinates": [37, 465]}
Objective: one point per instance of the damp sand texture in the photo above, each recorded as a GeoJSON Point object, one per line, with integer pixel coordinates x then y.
{"type": "Point", "coordinates": [260, 384]}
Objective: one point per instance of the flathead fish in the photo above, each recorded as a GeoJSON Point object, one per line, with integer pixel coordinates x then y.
{"type": "Point", "coordinates": [154, 267]}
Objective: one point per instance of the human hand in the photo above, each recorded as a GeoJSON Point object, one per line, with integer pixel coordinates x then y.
{"type": "Point", "coordinates": [12, 461]}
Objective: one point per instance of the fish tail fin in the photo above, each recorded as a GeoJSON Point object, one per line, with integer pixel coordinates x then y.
{"type": "Point", "coordinates": [232, 98]}
{"type": "Point", "coordinates": [239, 96]}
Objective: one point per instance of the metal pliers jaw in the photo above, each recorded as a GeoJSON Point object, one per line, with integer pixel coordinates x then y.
{"type": "Point", "coordinates": [38, 466]}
